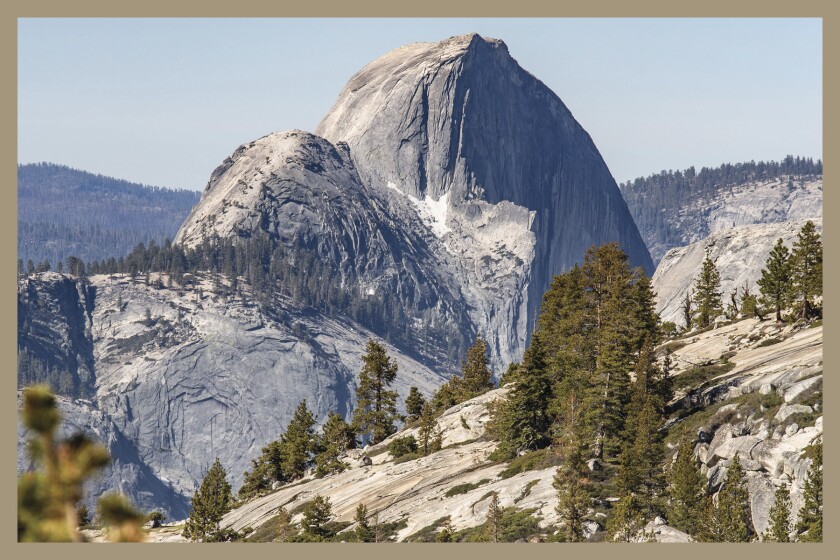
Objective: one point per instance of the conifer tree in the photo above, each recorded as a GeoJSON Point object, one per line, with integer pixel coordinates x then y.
{"type": "Point", "coordinates": [687, 309]}
{"type": "Point", "coordinates": [121, 517]}
{"type": "Point", "coordinates": [337, 437]}
{"type": "Point", "coordinates": [779, 529]}
{"type": "Point", "coordinates": [285, 529]}
{"type": "Point", "coordinates": [209, 504]}
{"type": "Point", "coordinates": [707, 294]}
{"type": "Point", "coordinates": [775, 281]}
{"type": "Point", "coordinates": [364, 532]}
{"type": "Point", "coordinates": [316, 514]}
{"type": "Point", "coordinates": [447, 533]}
{"type": "Point", "coordinates": [732, 515]}
{"type": "Point", "coordinates": [414, 404]}
{"type": "Point", "coordinates": [750, 306]}
{"type": "Point", "coordinates": [524, 420]}
{"type": "Point", "coordinates": [376, 407]}
{"type": "Point", "coordinates": [572, 501]}
{"type": "Point", "coordinates": [627, 519]}
{"type": "Point", "coordinates": [47, 497]}
{"type": "Point", "coordinates": [494, 519]}
{"type": "Point", "coordinates": [687, 487]}
{"type": "Point", "coordinates": [807, 264]}
{"type": "Point", "coordinates": [809, 527]}
{"type": "Point", "coordinates": [476, 377]}
{"type": "Point", "coordinates": [430, 437]}
{"type": "Point", "coordinates": [298, 442]}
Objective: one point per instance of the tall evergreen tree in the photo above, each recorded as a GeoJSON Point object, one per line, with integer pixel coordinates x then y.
{"type": "Point", "coordinates": [687, 309]}
{"type": "Point", "coordinates": [627, 519]}
{"type": "Point", "coordinates": [376, 408]}
{"type": "Point", "coordinates": [414, 404]}
{"type": "Point", "coordinates": [285, 529]}
{"type": "Point", "coordinates": [572, 501]}
{"type": "Point", "coordinates": [732, 515]}
{"type": "Point", "coordinates": [524, 421]}
{"type": "Point", "coordinates": [494, 519]}
{"type": "Point", "coordinates": [476, 377]}
{"type": "Point", "coordinates": [775, 281]}
{"type": "Point", "coordinates": [430, 437]}
{"type": "Point", "coordinates": [779, 529]}
{"type": "Point", "coordinates": [337, 437]}
{"type": "Point", "coordinates": [809, 527]}
{"type": "Point", "coordinates": [807, 264]}
{"type": "Point", "coordinates": [707, 295]}
{"type": "Point", "coordinates": [211, 501]}
{"type": "Point", "coordinates": [364, 532]}
{"type": "Point", "coordinates": [316, 514]}
{"type": "Point", "coordinates": [298, 442]}
{"type": "Point", "coordinates": [687, 489]}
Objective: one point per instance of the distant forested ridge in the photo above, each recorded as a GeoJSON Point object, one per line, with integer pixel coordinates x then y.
{"type": "Point", "coordinates": [64, 211]}
{"type": "Point", "coordinates": [656, 201]}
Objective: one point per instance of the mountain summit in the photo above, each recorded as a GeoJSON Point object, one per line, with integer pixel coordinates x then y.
{"type": "Point", "coordinates": [506, 184]}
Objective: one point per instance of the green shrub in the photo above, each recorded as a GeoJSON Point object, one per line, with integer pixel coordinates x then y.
{"type": "Point", "coordinates": [768, 342]}
{"type": "Point", "coordinates": [402, 446]}
{"type": "Point", "coordinates": [535, 460]}
{"type": "Point", "coordinates": [699, 375]}
{"type": "Point", "coordinates": [466, 487]}
{"type": "Point", "coordinates": [429, 532]}
{"type": "Point", "coordinates": [407, 457]}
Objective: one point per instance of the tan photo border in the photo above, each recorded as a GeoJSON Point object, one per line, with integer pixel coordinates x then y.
{"type": "Point", "coordinates": [13, 9]}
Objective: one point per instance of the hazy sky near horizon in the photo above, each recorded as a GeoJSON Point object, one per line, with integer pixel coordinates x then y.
{"type": "Point", "coordinates": [164, 101]}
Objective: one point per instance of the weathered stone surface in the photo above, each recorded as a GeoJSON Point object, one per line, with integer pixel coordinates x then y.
{"type": "Point", "coordinates": [702, 215]}
{"type": "Point", "coordinates": [797, 389]}
{"type": "Point", "coordinates": [790, 409]}
{"type": "Point", "coordinates": [739, 254]}
{"type": "Point", "coordinates": [762, 495]}
{"type": "Point", "coordinates": [459, 124]}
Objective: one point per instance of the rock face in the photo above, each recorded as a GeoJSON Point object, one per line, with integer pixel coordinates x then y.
{"type": "Point", "coordinates": [444, 173]}
{"type": "Point", "coordinates": [184, 376]}
{"type": "Point", "coordinates": [770, 442]}
{"type": "Point", "coordinates": [127, 473]}
{"type": "Point", "coordinates": [515, 188]}
{"type": "Point", "coordinates": [738, 253]}
{"type": "Point", "coordinates": [698, 216]}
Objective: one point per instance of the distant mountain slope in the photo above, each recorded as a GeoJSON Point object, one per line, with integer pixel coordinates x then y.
{"type": "Point", "coordinates": [677, 208]}
{"type": "Point", "coordinates": [64, 211]}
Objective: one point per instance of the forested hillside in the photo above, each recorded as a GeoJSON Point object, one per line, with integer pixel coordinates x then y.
{"type": "Point", "coordinates": [676, 208]}
{"type": "Point", "coordinates": [64, 211]}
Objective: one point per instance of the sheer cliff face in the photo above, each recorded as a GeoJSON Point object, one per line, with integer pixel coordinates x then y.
{"type": "Point", "coordinates": [444, 171]}
{"type": "Point", "coordinates": [461, 123]}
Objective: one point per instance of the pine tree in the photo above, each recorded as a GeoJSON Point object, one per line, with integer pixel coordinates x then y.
{"type": "Point", "coordinates": [733, 509]}
{"type": "Point", "coordinates": [337, 437]}
{"type": "Point", "coordinates": [523, 420]}
{"type": "Point", "coordinates": [779, 529]}
{"type": "Point", "coordinates": [298, 442]}
{"type": "Point", "coordinates": [687, 487]}
{"type": "Point", "coordinates": [809, 527]}
{"type": "Point", "coordinates": [687, 310]}
{"type": "Point", "coordinates": [414, 404]}
{"type": "Point", "coordinates": [121, 517]}
{"type": "Point", "coordinates": [285, 529]}
{"type": "Point", "coordinates": [364, 532]}
{"type": "Point", "coordinates": [750, 306]}
{"type": "Point", "coordinates": [447, 533]}
{"type": "Point", "coordinates": [627, 519]}
{"type": "Point", "coordinates": [316, 514]}
{"type": "Point", "coordinates": [47, 497]}
{"type": "Point", "coordinates": [494, 519]}
{"type": "Point", "coordinates": [476, 377]}
{"type": "Point", "coordinates": [429, 434]}
{"type": "Point", "coordinates": [707, 294]}
{"type": "Point", "coordinates": [376, 408]}
{"type": "Point", "coordinates": [807, 264]}
{"type": "Point", "coordinates": [775, 281]}
{"type": "Point", "coordinates": [572, 501]}
{"type": "Point", "coordinates": [211, 501]}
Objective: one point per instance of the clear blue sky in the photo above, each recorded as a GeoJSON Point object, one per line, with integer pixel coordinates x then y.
{"type": "Point", "coordinates": [164, 101]}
